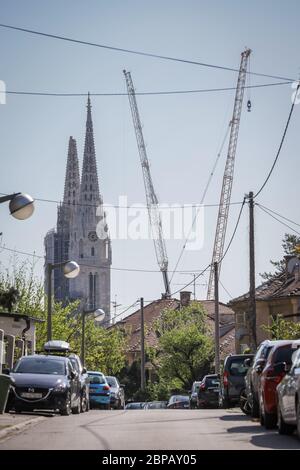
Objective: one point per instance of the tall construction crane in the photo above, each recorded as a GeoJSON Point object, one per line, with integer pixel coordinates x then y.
{"type": "Point", "coordinates": [151, 198]}
{"type": "Point", "coordinates": [228, 173]}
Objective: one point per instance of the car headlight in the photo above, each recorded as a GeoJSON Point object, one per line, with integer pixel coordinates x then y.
{"type": "Point", "coordinates": [60, 387]}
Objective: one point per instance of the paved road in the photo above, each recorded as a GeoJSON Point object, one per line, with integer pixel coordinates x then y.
{"type": "Point", "coordinates": [151, 430]}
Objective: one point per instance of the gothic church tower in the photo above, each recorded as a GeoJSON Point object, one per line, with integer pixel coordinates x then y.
{"type": "Point", "coordinates": [76, 235]}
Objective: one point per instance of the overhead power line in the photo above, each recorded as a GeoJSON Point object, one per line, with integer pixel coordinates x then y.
{"type": "Point", "coordinates": [278, 220]}
{"type": "Point", "coordinates": [202, 200]}
{"type": "Point", "coordinates": [116, 206]}
{"type": "Point", "coordinates": [281, 142]}
{"type": "Point", "coordinates": [279, 215]}
{"type": "Point", "coordinates": [136, 52]}
{"type": "Point", "coordinates": [225, 253]}
{"type": "Point", "coordinates": [141, 93]}
{"type": "Point", "coordinates": [34, 255]}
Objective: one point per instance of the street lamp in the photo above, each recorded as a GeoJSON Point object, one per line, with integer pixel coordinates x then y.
{"type": "Point", "coordinates": [70, 269]}
{"type": "Point", "coordinates": [99, 316]}
{"type": "Point", "coordinates": [21, 205]}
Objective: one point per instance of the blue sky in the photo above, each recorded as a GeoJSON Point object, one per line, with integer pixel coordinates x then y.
{"type": "Point", "coordinates": [183, 132]}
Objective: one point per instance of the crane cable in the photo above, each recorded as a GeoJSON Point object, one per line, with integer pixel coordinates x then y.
{"type": "Point", "coordinates": [201, 201]}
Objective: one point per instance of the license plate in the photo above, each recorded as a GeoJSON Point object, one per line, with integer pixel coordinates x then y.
{"type": "Point", "coordinates": [31, 395]}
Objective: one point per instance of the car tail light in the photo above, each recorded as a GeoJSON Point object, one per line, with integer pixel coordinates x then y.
{"type": "Point", "coordinates": [202, 387]}
{"type": "Point", "coordinates": [106, 387]}
{"type": "Point", "coordinates": [225, 378]}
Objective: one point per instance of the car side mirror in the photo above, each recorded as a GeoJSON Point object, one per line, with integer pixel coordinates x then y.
{"type": "Point", "coordinates": [248, 362]}
{"type": "Point", "coordinates": [84, 371]}
{"type": "Point", "coordinates": [72, 375]}
{"type": "Point", "coordinates": [6, 371]}
{"type": "Point", "coordinates": [122, 385]}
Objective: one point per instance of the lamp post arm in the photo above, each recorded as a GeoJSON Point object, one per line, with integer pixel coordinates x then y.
{"type": "Point", "coordinates": [9, 197]}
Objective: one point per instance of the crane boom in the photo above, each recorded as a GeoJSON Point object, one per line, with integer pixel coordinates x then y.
{"type": "Point", "coordinates": [151, 198]}
{"type": "Point", "coordinates": [228, 173]}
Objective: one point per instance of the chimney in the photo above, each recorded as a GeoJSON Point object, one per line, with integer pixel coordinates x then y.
{"type": "Point", "coordinates": [185, 298]}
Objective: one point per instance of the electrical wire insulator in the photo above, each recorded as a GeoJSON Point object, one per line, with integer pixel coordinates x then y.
{"type": "Point", "coordinates": [249, 105]}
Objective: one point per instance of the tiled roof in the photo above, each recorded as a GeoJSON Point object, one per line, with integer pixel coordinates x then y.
{"type": "Point", "coordinates": [277, 288]}
{"type": "Point", "coordinates": [153, 311]}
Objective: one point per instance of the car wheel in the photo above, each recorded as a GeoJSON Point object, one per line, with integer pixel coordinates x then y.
{"type": "Point", "coordinates": [284, 428]}
{"type": "Point", "coordinates": [76, 409]}
{"type": "Point", "coordinates": [225, 403]}
{"type": "Point", "coordinates": [66, 409]}
{"type": "Point", "coordinates": [268, 420]}
{"type": "Point", "coordinates": [83, 403]}
{"type": "Point", "coordinates": [254, 408]}
{"type": "Point", "coordinates": [244, 403]}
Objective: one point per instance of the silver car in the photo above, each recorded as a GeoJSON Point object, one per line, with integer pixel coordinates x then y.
{"type": "Point", "coordinates": [117, 396]}
{"type": "Point", "coordinates": [288, 396]}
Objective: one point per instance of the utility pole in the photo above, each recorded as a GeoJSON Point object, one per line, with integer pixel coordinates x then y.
{"type": "Point", "coordinates": [252, 302]}
{"type": "Point", "coordinates": [142, 345]}
{"type": "Point", "coordinates": [217, 319]}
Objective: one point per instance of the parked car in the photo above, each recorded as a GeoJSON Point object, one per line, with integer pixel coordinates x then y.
{"type": "Point", "coordinates": [135, 406]}
{"type": "Point", "coordinates": [156, 405]}
{"type": "Point", "coordinates": [252, 378]}
{"type": "Point", "coordinates": [44, 382]}
{"type": "Point", "coordinates": [208, 394]}
{"type": "Point", "coordinates": [99, 390]}
{"type": "Point", "coordinates": [194, 395]}
{"type": "Point", "coordinates": [288, 398]}
{"type": "Point", "coordinates": [178, 402]}
{"type": "Point", "coordinates": [63, 348]}
{"type": "Point", "coordinates": [117, 396]}
{"type": "Point", "coordinates": [232, 380]}
{"type": "Point", "coordinates": [278, 363]}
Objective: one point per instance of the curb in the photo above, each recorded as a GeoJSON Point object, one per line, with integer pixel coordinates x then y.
{"type": "Point", "coordinates": [19, 427]}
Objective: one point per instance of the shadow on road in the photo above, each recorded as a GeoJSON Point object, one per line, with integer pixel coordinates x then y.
{"type": "Point", "coordinates": [266, 439]}
{"type": "Point", "coordinates": [234, 417]}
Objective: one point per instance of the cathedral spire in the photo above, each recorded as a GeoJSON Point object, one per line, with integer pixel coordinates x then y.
{"type": "Point", "coordinates": [89, 189]}
{"type": "Point", "coordinates": [72, 179]}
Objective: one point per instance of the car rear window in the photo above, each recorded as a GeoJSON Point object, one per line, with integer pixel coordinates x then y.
{"type": "Point", "coordinates": [111, 381]}
{"type": "Point", "coordinates": [212, 382]}
{"type": "Point", "coordinates": [237, 367]}
{"type": "Point", "coordinates": [97, 379]}
{"type": "Point", "coordinates": [284, 354]}
{"type": "Point", "coordinates": [38, 365]}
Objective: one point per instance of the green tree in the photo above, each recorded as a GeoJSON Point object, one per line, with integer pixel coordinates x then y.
{"type": "Point", "coordinates": [289, 243]}
{"type": "Point", "coordinates": [282, 329]}
{"type": "Point", "coordinates": [105, 348]}
{"type": "Point", "coordinates": [185, 346]}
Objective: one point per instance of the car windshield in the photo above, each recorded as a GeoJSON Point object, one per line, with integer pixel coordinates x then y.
{"type": "Point", "coordinates": [111, 381]}
{"type": "Point", "coordinates": [38, 365]}
{"type": "Point", "coordinates": [238, 368]}
{"type": "Point", "coordinates": [212, 382]}
{"type": "Point", "coordinates": [284, 354]}
{"type": "Point", "coordinates": [74, 363]}
{"type": "Point", "coordinates": [97, 379]}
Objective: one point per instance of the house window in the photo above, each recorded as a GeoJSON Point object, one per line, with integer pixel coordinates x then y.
{"type": "Point", "coordinates": [93, 278]}
{"type": "Point", "coordinates": [80, 248]}
{"type": "Point", "coordinates": [92, 251]}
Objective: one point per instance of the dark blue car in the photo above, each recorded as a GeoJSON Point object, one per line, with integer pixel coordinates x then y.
{"type": "Point", "coordinates": [99, 390]}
